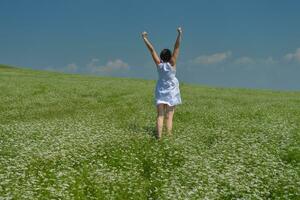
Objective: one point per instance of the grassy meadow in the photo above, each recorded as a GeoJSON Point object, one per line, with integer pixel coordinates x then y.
{"type": "Point", "coordinates": [68, 136]}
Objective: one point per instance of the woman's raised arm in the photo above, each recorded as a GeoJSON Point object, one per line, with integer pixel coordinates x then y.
{"type": "Point", "coordinates": [151, 48]}
{"type": "Point", "coordinates": [176, 47]}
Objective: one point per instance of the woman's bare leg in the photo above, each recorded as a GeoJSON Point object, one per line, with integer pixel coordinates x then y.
{"type": "Point", "coordinates": [169, 117]}
{"type": "Point", "coordinates": [160, 119]}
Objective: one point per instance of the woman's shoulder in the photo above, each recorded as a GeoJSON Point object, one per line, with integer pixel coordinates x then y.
{"type": "Point", "coordinates": [166, 63]}
{"type": "Point", "coordinates": [172, 66]}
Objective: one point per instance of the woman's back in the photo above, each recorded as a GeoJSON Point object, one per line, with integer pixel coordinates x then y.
{"type": "Point", "coordinates": [166, 71]}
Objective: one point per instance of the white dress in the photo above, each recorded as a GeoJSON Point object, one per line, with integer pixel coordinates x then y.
{"type": "Point", "coordinates": [167, 86]}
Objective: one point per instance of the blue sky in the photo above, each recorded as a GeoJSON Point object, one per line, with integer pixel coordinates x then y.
{"type": "Point", "coordinates": [250, 43]}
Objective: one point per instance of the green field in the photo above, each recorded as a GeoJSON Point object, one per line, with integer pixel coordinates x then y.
{"type": "Point", "coordinates": [67, 136]}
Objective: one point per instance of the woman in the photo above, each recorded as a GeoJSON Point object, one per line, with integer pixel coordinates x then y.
{"type": "Point", "coordinates": [167, 93]}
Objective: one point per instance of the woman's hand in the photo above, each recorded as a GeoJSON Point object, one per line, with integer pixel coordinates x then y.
{"type": "Point", "coordinates": [179, 29]}
{"type": "Point", "coordinates": [144, 34]}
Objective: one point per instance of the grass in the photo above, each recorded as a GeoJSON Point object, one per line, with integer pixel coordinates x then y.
{"type": "Point", "coordinates": [66, 136]}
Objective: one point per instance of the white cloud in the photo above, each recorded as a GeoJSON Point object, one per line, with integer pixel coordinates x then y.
{"type": "Point", "coordinates": [117, 64]}
{"type": "Point", "coordinates": [112, 65]}
{"type": "Point", "coordinates": [288, 57]}
{"type": "Point", "coordinates": [244, 61]}
{"type": "Point", "coordinates": [212, 59]}
{"type": "Point", "coordinates": [269, 60]}
{"type": "Point", "coordinates": [293, 57]}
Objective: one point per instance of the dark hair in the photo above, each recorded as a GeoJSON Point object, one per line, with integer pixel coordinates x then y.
{"type": "Point", "coordinates": [166, 55]}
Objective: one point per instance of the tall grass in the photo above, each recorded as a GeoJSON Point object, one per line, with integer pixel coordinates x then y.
{"type": "Point", "coordinates": [65, 136]}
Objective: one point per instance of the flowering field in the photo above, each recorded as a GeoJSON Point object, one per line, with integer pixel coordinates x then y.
{"type": "Point", "coordinates": [66, 136]}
